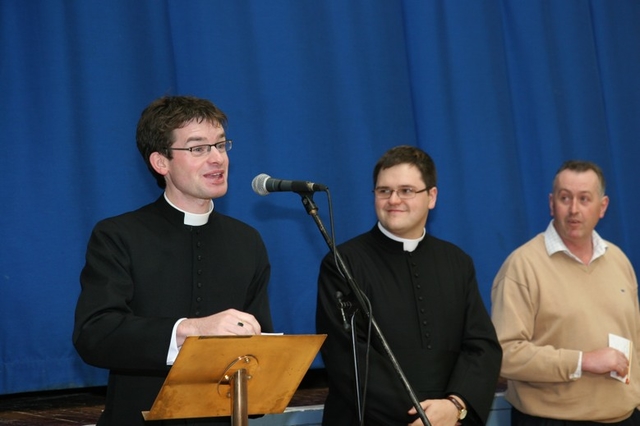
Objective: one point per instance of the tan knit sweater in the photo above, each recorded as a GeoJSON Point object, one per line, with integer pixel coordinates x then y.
{"type": "Point", "coordinates": [546, 309]}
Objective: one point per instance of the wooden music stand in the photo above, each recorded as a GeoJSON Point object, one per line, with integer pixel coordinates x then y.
{"type": "Point", "coordinates": [234, 376]}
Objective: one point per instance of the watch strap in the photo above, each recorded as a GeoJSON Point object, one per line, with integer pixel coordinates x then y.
{"type": "Point", "coordinates": [459, 406]}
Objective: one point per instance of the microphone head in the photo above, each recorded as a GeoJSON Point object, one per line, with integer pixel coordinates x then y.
{"type": "Point", "coordinates": [259, 184]}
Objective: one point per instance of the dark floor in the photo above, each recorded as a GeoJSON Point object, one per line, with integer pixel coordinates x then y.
{"type": "Point", "coordinates": [83, 406]}
{"type": "Point", "coordinates": [65, 407]}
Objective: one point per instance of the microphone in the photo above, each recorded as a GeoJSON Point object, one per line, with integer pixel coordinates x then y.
{"type": "Point", "coordinates": [264, 184]}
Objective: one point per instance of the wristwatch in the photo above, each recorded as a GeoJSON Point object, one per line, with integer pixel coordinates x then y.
{"type": "Point", "coordinates": [462, 412]}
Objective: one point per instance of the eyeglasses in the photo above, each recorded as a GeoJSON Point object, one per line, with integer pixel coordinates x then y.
{"type": "Point", "coordinates": [200, 150]}
{"type": "Point", "coordinates": [404, 192]}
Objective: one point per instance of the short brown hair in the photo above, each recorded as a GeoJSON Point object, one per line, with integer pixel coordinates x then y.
{"type": "Point", "coordinates": [580, 166]}
{"type": "Point", "coordinates": [164, 115]}
{"type": "Point", "coordinates": [405, 154]}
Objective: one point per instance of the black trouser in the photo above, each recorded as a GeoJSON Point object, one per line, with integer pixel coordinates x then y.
{"type": "Point", "coordinates": [520, 419]}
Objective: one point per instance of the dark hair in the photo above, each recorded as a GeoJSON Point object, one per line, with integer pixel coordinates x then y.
{"type": "Point", "coordinates": [580, 166]}
{"type": "Point", "coordinates": [164, 115]}
{"type": "Point", "coordinates": [406, 154]}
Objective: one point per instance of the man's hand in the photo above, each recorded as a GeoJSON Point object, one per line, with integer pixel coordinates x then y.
{"type": "Point", "coordinates": [440, 412]}
{"type": "Point", "coordinates": [226, 323]}
{"type": "Point", "coordinates": [605, 360]}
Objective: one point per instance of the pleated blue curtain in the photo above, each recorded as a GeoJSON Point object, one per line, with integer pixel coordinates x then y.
{"type": "Point", "coordinates": [500, 93]}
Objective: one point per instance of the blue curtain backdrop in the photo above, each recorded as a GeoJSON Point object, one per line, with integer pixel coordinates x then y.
{"type": "Point", "coordinates": [500, 93]}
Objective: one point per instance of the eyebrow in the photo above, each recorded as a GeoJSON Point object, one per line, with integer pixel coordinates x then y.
{"type": "Point", "coordinates": [576, 193]}
{"type": "Point", "coordinates": [203, 139]}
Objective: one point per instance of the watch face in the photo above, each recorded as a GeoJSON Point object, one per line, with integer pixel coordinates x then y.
{"type": "Point", "coordinates": [463, 414]}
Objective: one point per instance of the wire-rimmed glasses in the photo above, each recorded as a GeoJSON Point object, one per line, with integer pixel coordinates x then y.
{"type": "Point", "coordinates": [403, 192]}
{"type": "Point", "coordinates": [200, 150]}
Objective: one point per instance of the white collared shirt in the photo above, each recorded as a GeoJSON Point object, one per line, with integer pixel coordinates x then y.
{"type": "Point", "coordinates": [554, 244]}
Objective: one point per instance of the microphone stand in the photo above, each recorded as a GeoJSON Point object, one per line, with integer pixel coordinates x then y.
{"type": "Point", "coordinates": [312, 210]}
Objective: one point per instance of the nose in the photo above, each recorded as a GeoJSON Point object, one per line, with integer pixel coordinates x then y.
{"type": "Point", "coordinates": [215, 155]}
{"type": "Point", "coordinates": [394, 198]}
{"type": "Point", "coordinates": [573, 207]}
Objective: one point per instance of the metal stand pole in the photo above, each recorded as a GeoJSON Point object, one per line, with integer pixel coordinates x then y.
{"type": "Point", "coordinates": [239, 414]}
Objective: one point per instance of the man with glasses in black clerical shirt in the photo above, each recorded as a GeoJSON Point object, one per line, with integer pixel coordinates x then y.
{"type": "Point", "coordinates": [425, 300]}
{"type": "Point", "coordinates": [171, 269]}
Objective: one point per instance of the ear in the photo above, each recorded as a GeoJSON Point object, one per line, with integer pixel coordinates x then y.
{"type": "Point", "coordinates": [433, 197]}
{"type": "Point", "coordinates": [604, 203]}
{"type": "Point", "coordinates": [159, 162]}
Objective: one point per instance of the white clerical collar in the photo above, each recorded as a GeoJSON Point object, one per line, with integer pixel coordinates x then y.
{"type": "Point", "coordinates": [409, 245]}
{"type": "Point", "coordinates": [192, 219]}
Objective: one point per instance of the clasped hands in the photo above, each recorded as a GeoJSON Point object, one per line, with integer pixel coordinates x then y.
{"type": "Point", "coordinates": [439, 412]}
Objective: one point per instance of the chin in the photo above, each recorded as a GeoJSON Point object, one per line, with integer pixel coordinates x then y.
{"type": "Point", "coordinates": [217, 191]}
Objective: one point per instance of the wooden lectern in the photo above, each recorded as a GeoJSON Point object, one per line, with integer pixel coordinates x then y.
{"type": "Point", "coordinates": [234, 376]}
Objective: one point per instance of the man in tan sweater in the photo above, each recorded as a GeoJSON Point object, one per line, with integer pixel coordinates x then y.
{"type": "Point", "coordinates": [556, 301]}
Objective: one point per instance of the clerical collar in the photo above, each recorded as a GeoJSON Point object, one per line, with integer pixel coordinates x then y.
{"type": "Point", "coordinates": [408, 245]}
{"type": "Point", "coordinates": [192, 219]}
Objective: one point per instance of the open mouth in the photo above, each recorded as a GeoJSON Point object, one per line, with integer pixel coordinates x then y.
{"type": "Point", "coordinates": [215, 176]}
